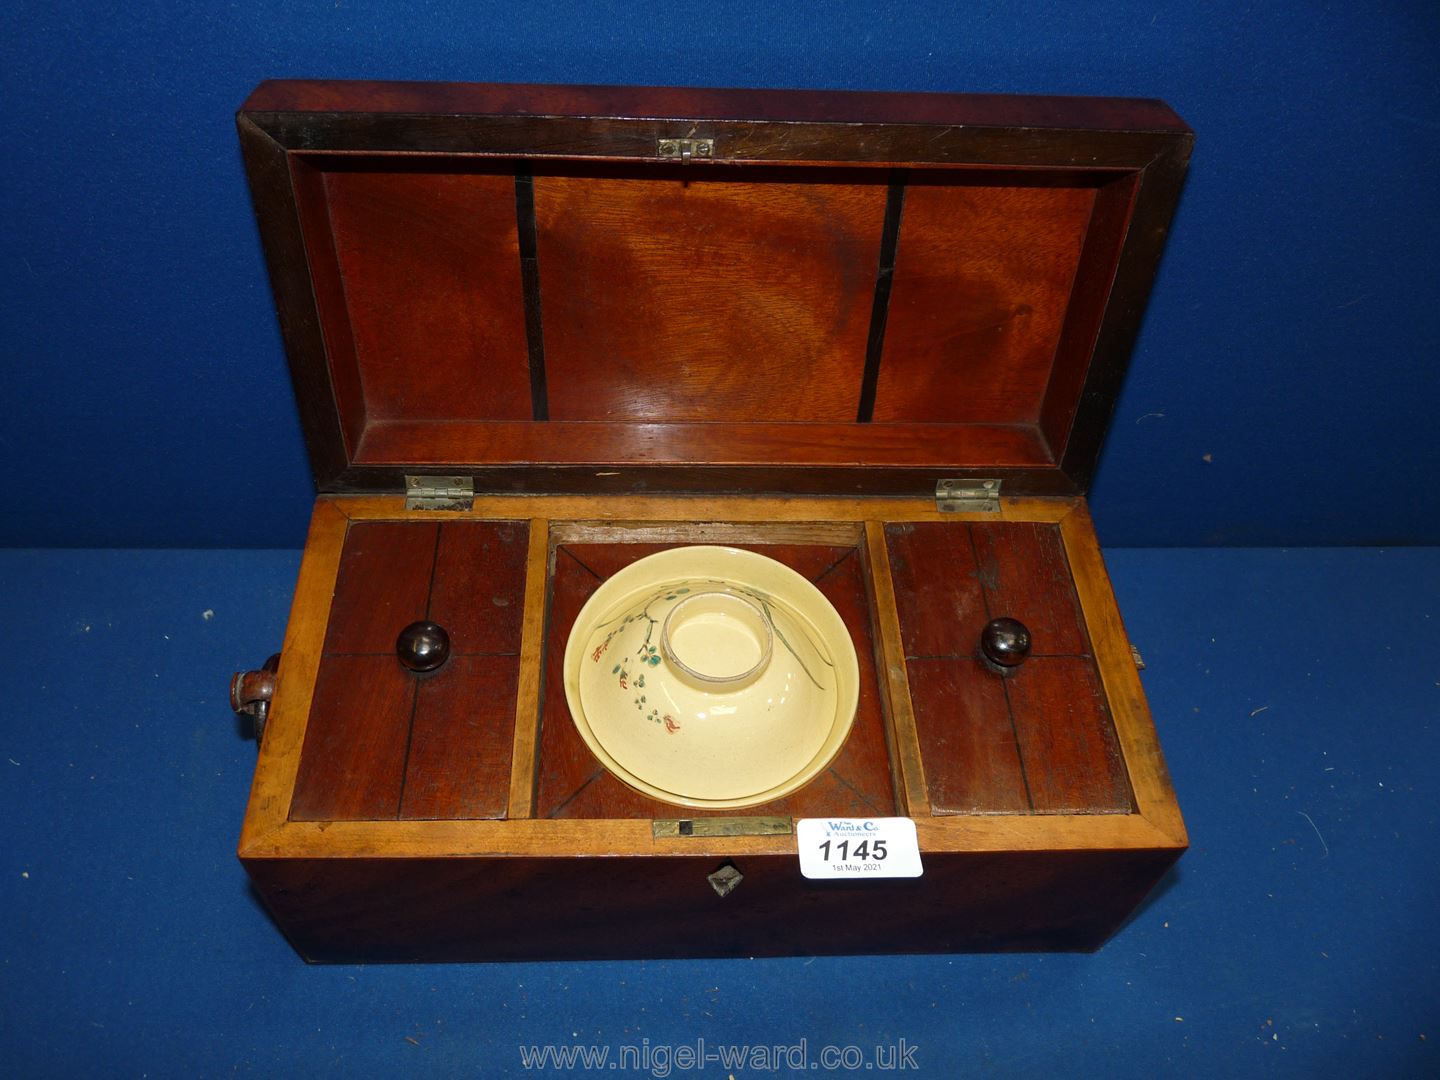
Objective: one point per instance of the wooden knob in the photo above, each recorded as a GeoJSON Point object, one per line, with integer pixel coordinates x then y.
{"type": "Point", "coordinates": [1005, 642]}
{"type": "Point", "coordinates": [251, 691]}
{"type": "Point", "coordinates": [423, 646]}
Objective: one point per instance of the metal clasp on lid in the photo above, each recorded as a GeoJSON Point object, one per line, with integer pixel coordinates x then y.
{"type": "Point", "coordinates": [685, 149]}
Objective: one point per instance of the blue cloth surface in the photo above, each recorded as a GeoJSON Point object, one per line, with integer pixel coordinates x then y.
{"type": "Point", "coordinates": [1296, 694]}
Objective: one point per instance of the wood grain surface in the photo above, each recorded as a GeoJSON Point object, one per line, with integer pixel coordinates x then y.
{"type": "Point", "coordinates": [832, 106]}
{"type": "Point", "coordinates": [353, 765]}
{"type": "Point", "coordinates": [384, 742]}
{"type": "Point", "coordinates": [464, 271]}
{"type": "Point", "coordinates": [663, 906]}
{"type": "Point", "coordinates": [414, 889]}
{"type": "Point", "coordinates": [689, 293]}
{"type": "Point", "coordinates": [457, 764]}
{"type": "Point", "coordinates": [383, 585]}
{"type": "Point", "coordinates": [430, 262]}
{"type": "Point", "coordinates": [418, 445]}
{"type": "Point", "coordinates": [982, 281]}
{"type": "Point", "coordinates": [1066, 738]}
{"type": "Point", "coordinates": [1039, 738]}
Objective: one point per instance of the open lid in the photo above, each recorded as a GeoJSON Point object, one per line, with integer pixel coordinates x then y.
{"type": "Point", "coordinates": [617, 289]}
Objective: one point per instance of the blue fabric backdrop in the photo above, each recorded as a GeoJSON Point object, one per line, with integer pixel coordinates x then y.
{"type": "Point", "coordinates": [1282, 393]}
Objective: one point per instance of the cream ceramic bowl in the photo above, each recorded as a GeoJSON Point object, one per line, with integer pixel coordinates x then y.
{"type": "Point", "coordinates": [711, 677]}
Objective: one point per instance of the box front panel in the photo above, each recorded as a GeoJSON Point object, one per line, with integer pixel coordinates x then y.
{"type": "Point", "coordinates": [557, 908]}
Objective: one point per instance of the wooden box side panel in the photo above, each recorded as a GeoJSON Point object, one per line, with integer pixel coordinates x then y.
{"type": "Point", "coordinates": [364, 910]}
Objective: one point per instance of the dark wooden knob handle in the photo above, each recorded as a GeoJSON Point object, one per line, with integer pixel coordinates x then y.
{"type": "Point", "coordinates": [251, 691]}
{"type": "Point", "coordinates": [1005, 642]}
{"type": "Point", "coordinates": [423, 646]}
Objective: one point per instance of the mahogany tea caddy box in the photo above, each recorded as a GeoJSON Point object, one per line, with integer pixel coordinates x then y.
{"type": "Point", "coordinates": [537, 333]}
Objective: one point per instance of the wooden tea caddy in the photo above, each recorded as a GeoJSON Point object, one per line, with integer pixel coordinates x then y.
{"type": "Point", "coordinates": [538, 332]}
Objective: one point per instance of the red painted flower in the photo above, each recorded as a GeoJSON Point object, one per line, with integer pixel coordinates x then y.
{"type": "Point", "coordinates": [670, 725]}
{"type": "Point", "coordinates": [623, 684]}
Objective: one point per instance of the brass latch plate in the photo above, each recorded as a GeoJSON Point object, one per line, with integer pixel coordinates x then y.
{"type": "Point", "coordinates": [722, 826]}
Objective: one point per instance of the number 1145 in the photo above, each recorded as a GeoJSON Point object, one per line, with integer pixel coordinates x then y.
{"type": "Point", "coordinates": [865, 849]}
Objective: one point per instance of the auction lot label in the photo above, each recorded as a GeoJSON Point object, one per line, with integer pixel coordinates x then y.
{"type": "Point", "coordinates": [858, 848]}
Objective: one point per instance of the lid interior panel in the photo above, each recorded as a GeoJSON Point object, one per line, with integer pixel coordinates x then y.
{"type": "Point", "coordinates": [982, 279]}
{"type": "Point", "coordinates": [707, 294]}
{"type": "Point", "coordinates": [483, 312]}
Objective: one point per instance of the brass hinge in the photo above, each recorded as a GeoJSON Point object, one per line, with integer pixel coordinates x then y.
{"type": "Point", "coordinates": [439, 492]}
{"type": "Point", "coordinates": [967, 496]}
{"type": "Point", "coordinates": [685, 150]}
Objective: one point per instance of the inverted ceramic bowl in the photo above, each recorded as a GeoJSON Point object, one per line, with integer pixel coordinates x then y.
{"type": "Point", "coordinates": [711, 677]}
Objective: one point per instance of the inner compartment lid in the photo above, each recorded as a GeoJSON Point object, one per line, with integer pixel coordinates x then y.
{"type": "Point", "coordinates": [617, 289]}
